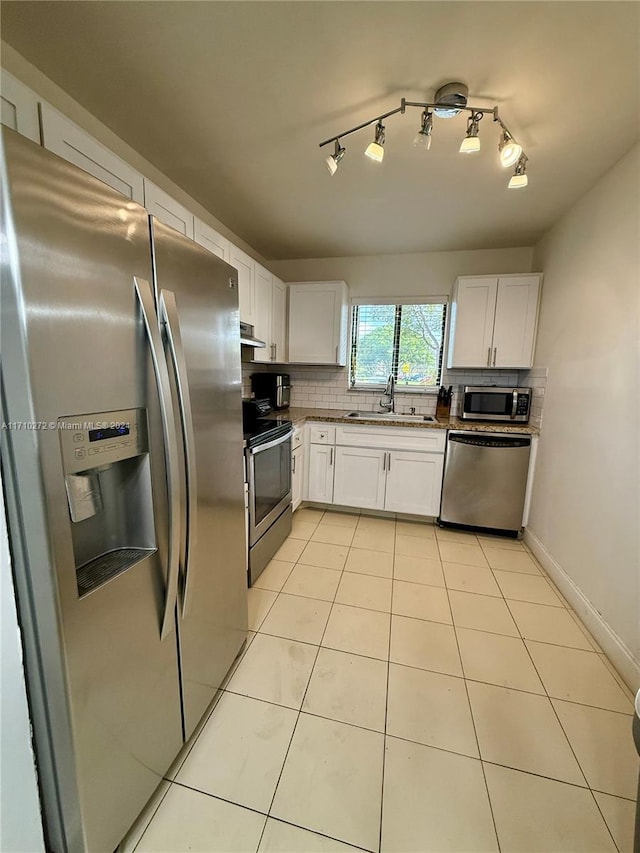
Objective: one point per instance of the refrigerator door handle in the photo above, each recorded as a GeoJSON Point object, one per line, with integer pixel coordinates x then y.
{"type": "Point", "coordinates": [145, 300]}
{"type": "Point", "coordinates": [170, 320]}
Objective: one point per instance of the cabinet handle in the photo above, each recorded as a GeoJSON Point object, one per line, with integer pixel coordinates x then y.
{"type": "Point", "coordinates": [330, 457]}
{"type": "Point", "coordinates": [389, 463]}
{"type": "Point", "coordinates": [336, 355]}
{"type": "Point", "coordinates": [384, 461]}
{"type": "Point", "coordinates": [293, 468]}
{"type": "Point", "coordinates": [489, 357]}
{"type": "Point", "coordinates": [495, 353]}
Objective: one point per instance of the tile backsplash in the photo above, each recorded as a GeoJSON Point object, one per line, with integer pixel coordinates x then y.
{"type": "Point", "coordinates": [314, 387]}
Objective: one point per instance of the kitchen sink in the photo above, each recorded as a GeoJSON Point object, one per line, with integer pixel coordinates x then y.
{"type": "Point", "coordinates": [390, 416]}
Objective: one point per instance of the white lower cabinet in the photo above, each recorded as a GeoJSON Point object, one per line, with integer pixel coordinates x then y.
{"type": "Point", "coordinates": [320, 484]}
{"type": "Point", "coordinates": [414, 482]}
{"type": "Point", "coordinates": [297, 468]}
{"type": "Point", "coordinates": [393, 469]}
{"type": "Point", "coordinates": [359, 478]}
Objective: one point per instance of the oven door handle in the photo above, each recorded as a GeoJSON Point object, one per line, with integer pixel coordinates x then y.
{"type": "Point", "coordinates": [280, 440]}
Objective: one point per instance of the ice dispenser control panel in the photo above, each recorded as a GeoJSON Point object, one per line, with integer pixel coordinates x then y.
{"type": "Point", "coordinates": [89, 441]}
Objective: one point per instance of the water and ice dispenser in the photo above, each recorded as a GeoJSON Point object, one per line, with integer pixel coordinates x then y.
{"type": "Point", "coordinates": [105, 459]}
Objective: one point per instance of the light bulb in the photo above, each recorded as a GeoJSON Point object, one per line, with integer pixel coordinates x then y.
{"type": "Point", "coordinates": [375, 152]}
{"type": "Point", "coordinates": [469, 144]}
{"type": "Point", "coordinates": [518, 182]}
{"type": "Point", "coordinates": [509, 150]}
{"type": "Point", "coordinates": [422, 140]}
{"type": "Point", "coordinates": [519, 178]}
{"type": "Point", "coordinates": [333, 159]}
{"type": "Point", "coordinates": [332, 166]}
{"type": "Point", "coordinates": [423, 137]}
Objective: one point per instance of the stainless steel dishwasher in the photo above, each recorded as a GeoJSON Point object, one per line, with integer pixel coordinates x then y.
{"type": "Point", "coordinates": [485, 479]}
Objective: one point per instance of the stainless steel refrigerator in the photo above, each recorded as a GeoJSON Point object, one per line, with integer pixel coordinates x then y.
{"type": "Point", "coordinates": [122, 459]}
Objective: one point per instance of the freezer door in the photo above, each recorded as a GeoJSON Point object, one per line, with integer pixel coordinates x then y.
{"type": "Point", "coordinates": [201, 321]}
{"type": "Point", "coordinates": [103, 686]}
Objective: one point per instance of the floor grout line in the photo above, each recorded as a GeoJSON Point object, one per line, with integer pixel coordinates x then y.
{"type": "Point", "coordinates": [473, 723]}
{"type": "Point", "coordinates": [386, 698]}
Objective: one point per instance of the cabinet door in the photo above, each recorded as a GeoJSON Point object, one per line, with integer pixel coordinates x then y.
{"type": "Point", "coordinates": [19, 107]}
{"type": "Point", "coordinates": [279, 320]}
{"type": "Point", "coordinates": [67, 140]}
{"type": "Point", "coordinates": [471, 325]}
{"type": "Point", "coordinates": [263, 295]}
{"type": "Point", "coordinates": [246, 290]}
{"type": "Point", "coordinates": [414, 482]}
{"type": "Point", "coordinates": [167, 209]}
{"type": "Point", "coordinates": [210, 239]}
{"type": "Point", "coordinates": [320, 486]}
{"type": "Point", "coordinates": [297, 476]}
{"type": "Point", "coordinates": [317, 323]}
{"type": "Point", "coordinates": [516, 318]}
{"type": "Point", "coordinates": [359, 478]}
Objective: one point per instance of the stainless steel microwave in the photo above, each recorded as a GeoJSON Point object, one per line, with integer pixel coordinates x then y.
{"type": "Point", "coordinates": [492, 403]}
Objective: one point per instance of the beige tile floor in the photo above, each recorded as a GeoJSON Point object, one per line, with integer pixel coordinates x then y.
{"type": "Point", "coordinates": [407, 688]}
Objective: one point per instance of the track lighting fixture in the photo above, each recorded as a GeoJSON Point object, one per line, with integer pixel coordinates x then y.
{"type": "Point", "coordinates": [471, 142]}
{"type": "Point", "coordinates": [333, 159]}
{"type": "Point", "coordinates": [449, 101]}
{"type": "Point", "coordinates": [519, 179]}
{"type": "Point", "coordinates": [508, 149]}
{"type": "Point", "coordinates": [423, 137]}
{"type": "Point", "coordinates": [374, 149]}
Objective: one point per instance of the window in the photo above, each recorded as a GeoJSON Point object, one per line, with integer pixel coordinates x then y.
{"type": "Point", "coordinates": [404, 339]}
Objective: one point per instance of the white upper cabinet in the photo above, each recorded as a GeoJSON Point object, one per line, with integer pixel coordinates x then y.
{"type": "Point", "coordinates": [493, 321]}
{"type": "Point", "coordinates": [514, 330]}
{"type": "Point", "coordinates": [279, 321]}
{"type": "Point", "coordinates": [318, 313]}
{"type": "Point", "coordinates": [19, 107]}
{"type": "Point", "coordinates": [263, 312]}
{"type": "Point", "coordinates": [246, 282]}
{"type": "Point", "coordinates": [472, 314]}
{"type": "Point", "coordinates": [67, 140]}
{"type": "Point", "coordinates": [165, 208]}
{"type": "Point", "coordinates": [210, 239]}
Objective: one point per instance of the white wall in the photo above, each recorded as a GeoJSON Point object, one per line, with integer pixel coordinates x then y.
{"type": "Point", "coordinates": [20, 823]}
{"type": "Point", "coordinates": [425, 273]}
{"type": "Point", "coordinates": [586, 496]}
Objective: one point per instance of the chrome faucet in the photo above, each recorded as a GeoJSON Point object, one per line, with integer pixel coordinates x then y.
{"type": "Point", "coordinates": [389, 392]}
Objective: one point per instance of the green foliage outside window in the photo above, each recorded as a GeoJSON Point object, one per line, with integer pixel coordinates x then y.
{"type": "Point", "coordinates": [405, 341]}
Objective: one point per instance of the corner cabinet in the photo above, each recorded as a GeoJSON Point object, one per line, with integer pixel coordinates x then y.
{"type": "Point", "coordinates": [493, 321]}
{"type": "Point", "coordinates": [318, 315]}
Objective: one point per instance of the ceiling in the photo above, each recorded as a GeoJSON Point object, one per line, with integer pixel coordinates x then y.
{"type": "Point", "coordinates": [230, 101]}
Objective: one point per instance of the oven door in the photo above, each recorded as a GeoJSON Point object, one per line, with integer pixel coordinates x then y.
{"type": "Point", "coordinates": [269, 471]}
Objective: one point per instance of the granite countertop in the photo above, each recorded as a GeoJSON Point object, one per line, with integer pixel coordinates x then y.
{"type": "Point", "coordinates": [299, 415]}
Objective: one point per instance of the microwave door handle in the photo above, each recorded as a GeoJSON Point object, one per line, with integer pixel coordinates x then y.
{"type": "Point", "coordinates": [514, 404]}
{"type": "Point", "coordinates": [171, 322]}
{"type": "Point", "coordinates": [144, 296]}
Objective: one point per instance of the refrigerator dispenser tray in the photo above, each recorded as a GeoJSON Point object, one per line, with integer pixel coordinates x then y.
{"type": "Point", "coordinates": [96, 572]}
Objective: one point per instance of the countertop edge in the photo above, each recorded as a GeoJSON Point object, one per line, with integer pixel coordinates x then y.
{"type": "Point", "coordinates": [299, 416]}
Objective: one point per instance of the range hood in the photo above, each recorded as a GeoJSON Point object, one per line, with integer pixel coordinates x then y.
{"type": "Point", "coordinates": [247, 338]}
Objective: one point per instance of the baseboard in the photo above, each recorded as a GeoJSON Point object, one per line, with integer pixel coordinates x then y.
{"type": "Point", "coordinates": [613, 647]}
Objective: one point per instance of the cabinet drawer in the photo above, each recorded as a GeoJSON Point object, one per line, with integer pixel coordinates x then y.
{"type": "Point", "coordinates": [429, 440]}
{"type": "Point", "coordinates": [296, 439]}
{"type": "Point", "coordinates": [322, 434]}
